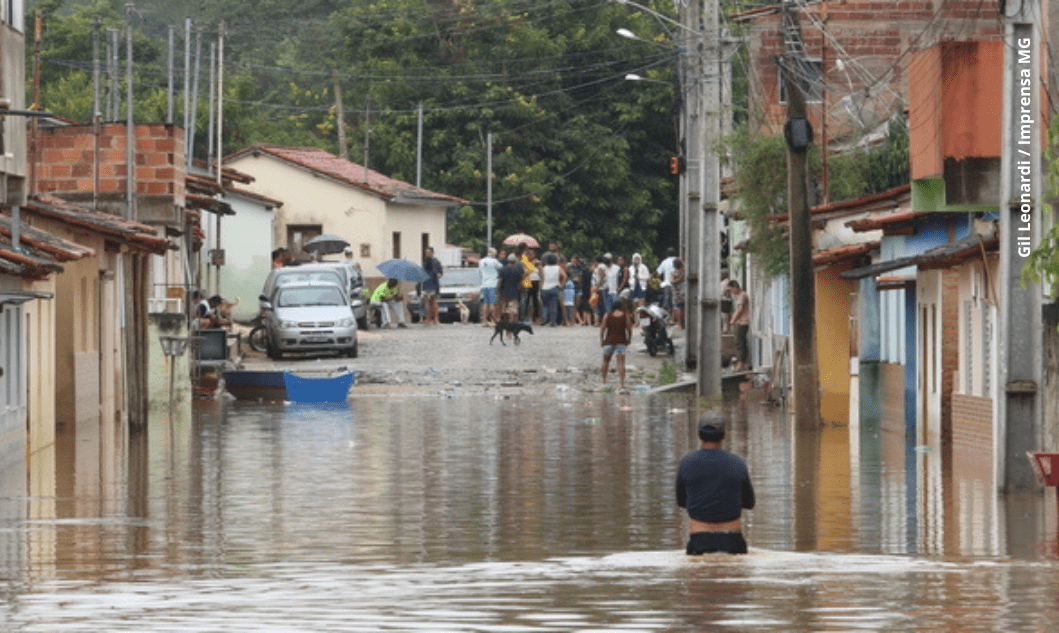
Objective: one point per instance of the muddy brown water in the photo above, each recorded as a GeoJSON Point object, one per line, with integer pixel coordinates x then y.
{"type": "Point", "coordinates": [513, 509]}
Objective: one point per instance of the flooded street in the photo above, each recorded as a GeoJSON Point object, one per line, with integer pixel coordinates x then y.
{"type": "Point", "coordinates": [496, 511]}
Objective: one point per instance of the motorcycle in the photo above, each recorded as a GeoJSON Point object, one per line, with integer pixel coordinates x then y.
{"type": "Point", "coordinates": [258, 337]}
{"type": "Point", "coordinates": [653, 326]}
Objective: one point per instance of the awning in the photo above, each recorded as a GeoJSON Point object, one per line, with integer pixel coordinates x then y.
{"type": "Point", "coordinates": [939, 257]}
{"type": "Point", "coordinates": [20, 297]}
{"type": "Point", "coordinates": [877, 268]}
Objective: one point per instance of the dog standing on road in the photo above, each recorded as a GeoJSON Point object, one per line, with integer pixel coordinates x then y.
{"type": "Point", "coordinates": [510, 327]}
{"type": "Point", "coordinates": [465, 312]}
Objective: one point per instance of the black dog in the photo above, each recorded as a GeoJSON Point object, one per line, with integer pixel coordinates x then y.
{"type": "Point", "coordinates": [513, 327]}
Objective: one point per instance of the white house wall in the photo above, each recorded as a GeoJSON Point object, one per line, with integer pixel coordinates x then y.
{"type": "Point", "coordinates": [247, 239]}
{"type": "Point", "coordinates": [342, 209]}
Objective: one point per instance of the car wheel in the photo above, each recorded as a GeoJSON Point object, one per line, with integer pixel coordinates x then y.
{"type": "Point", "coordinates": [362, 323]}
{"type": "Point", "coordinates": [354, 351]}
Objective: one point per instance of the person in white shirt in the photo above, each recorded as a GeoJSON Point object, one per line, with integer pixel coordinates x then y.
{"type": "Point", "coordinates": [639, 275]}
{"type": "Point", "coordinates": [612, 281]}
{"type": "Point", "coordinates": [665, 271]}
{"type": "Point", "coordinates": [489, 268]}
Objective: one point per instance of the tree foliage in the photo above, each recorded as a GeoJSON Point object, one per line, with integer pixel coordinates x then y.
{"type": "Point", "coordinates": [760, 163]}
{"type": "Point", "coordinates": [579, 154]}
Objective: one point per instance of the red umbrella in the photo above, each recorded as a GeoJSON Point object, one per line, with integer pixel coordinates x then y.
{"type": "Point", "coordinates": [519, 238]}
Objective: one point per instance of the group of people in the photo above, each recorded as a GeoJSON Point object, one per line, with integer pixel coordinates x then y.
{"type": "Point", "coordinates": [553, 290]}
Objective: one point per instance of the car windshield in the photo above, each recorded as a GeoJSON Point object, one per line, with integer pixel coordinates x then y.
{"type": "Point", "coordinates": [305, 276]}
{"type": "Point", "coordinates": [461, 277]}
{"type": "Point", "coordinates": [302, 297]}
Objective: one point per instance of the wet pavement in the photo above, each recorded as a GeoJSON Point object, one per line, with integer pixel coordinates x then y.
{"type": "Point", "coordinates": [538, 507]}
{"type": "Point", "coordinates": [463, 358]}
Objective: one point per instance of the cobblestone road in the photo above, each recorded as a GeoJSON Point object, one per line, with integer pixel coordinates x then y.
{"type": "Point", "coordinates": [456, 356]}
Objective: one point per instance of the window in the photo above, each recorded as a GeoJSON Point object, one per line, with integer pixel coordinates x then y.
{"type": "Point", "coordinates": [298, 234]}
{"type": "Point", "coordinates": [396, 244]}
{"type": "Point", "coordinates": [810, 72]}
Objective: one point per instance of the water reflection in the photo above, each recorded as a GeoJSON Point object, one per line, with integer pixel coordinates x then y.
{"type": "Point", "coordinates": [488, 512]}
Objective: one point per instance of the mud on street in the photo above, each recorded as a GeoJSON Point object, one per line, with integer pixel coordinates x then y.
{"type": "Point", "coordinates": [457, 357]}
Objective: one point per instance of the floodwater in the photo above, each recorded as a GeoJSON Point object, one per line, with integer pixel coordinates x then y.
{"type": "Point", "coordinates": [519, 513]}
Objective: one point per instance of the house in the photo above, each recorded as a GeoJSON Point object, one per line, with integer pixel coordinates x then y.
{"type": "Point", "coordinates": [243, 239]}
{"type": "Point", "coordinates": [379, 216]}
{"type": "Point", "coordinates": [855, 68]}
{"type": "Point", "coordinates": [138, 272]}
{"type": "Point", "coordinates": [836, 249]}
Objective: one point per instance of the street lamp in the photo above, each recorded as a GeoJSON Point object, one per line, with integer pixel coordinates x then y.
{"type": "Point", "coordinates": [635, 77]}
{"type": "Point", "coordinates": [172, 346]}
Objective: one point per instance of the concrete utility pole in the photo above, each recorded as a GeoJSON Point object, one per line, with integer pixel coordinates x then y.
{"type": "Point", "coordinates": [803, 291]}
{"type": "Point", "coordinates": [1018, 407]}
{"type": "Point", "coordinates": [340, 118]}
{"type": "Point", "coordinates": [693, 181]}
{"type": "Point", "coordinates": [709, 292]}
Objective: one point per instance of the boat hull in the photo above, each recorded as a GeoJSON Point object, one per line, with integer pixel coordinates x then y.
{"type": "Point", "coordinates": [330, 389]}
{"type": "Point", "coordinates": [256, 385]}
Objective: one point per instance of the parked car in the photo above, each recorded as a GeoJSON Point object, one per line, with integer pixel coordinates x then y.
{"type": "Point", "coordinates": [457, 284]}
{"type": "Point", "coordinates": [347, 275]}
{"type": "Point", "coordinates": [311, 316]}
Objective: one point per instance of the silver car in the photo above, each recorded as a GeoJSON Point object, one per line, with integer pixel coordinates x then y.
{"type": "Point", "coordinates": [342, 273]}
{"type": "Point", "coordinates": [309, 317]}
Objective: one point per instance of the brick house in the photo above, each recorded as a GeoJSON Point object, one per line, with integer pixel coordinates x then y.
{"type": "Point", "coordinates": [83, 180]}
{"type": "Point", "coordinates": [856, 66]}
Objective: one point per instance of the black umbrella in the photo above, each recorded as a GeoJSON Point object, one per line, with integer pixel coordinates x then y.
{"type": "Point", "coordinates": [325, 244]}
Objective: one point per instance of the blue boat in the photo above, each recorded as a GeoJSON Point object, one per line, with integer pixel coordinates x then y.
{"type": "Point", "coordinates": [326, 389]}
{"type": "Point", "coordinates": [256, 385]}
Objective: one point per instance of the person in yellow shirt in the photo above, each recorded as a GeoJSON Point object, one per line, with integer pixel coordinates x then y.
{"type": "Point", "coordinates": [525, 256]}
{"type": "Point", "coordinates": [387, 297]}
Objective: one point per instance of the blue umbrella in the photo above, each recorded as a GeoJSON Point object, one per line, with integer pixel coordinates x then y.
{"type": "Point", "coordinates": [404, 270]}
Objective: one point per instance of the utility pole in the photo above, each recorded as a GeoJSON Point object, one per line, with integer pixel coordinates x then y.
{"type": "Point", "coordinates": [489, 191]}
{"type": "Point", "coordinates": [1018, 407]}
{"type": "Point", "coordinates": [694, 179]}
{"type": "Point", "coordinates": [340, 118]}
{"type": "Point", "coordinates": [709, 285]}
{"type": "Point", "coordinates": [799, 136]}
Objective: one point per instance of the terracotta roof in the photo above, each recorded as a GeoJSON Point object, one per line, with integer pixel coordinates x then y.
{"type": "Point", "coordinates": [326, 163]}
{"type": "Point", "coordinates": [207, 203]}
{"type": "Point", "coordinates": [136, 235]}
{"type": "Point", "coordinates": [254, 195]}
{"type": "Point", "coordinates": [227, 173]}
{"type": "Point", "coordinates": [842, 253]}
{"type": "Point", "coordinates": [883, 220]}
{"type": "Point", "coordinates": [939, 257]}
{"type": "Point", "coordinates": [864, 204]}
{"type": "Point", "coordinates": [39, 253]}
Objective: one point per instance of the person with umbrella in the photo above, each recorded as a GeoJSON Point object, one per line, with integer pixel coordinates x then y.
{"type": "Point", "coordinates": [386, 297]}
{"type": "Point", "coordinates": [431, 287]}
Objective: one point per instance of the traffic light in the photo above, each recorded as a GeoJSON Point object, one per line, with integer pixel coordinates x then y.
{"type": "Point", "coordinates": [676, 165]}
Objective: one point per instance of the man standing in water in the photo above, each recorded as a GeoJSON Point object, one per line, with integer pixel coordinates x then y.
{"type": "Point", "coordinates": [714, 486]}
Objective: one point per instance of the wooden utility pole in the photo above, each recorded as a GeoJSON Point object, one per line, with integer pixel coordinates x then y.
{"type": "Point", "coordinates": [803, 289]}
